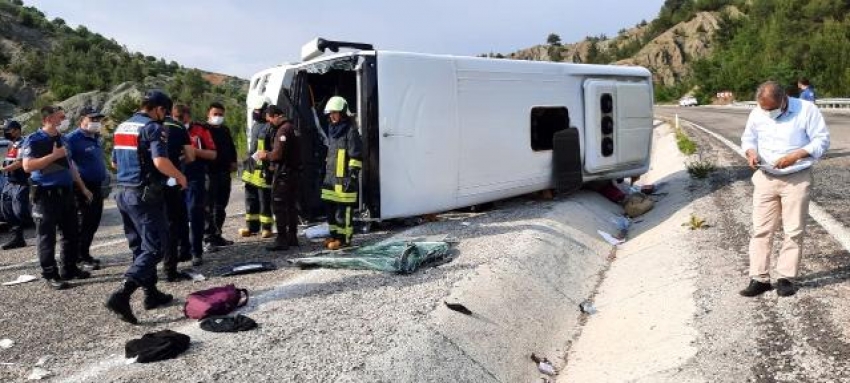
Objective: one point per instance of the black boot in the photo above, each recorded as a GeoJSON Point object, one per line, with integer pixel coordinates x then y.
{"type": "Point", "coordinates": [155, 298]}
{"type": "Point", "coordinates": [90, 262]}
{"type": "Point", "coordinates": [16, 242]}
{"type": "Point", "coordinates": [119, 302]}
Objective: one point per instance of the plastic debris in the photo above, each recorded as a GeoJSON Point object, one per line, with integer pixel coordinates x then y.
{"type": "Point", "coordinates": [247, 268]}
{"type": "Point", "coordinates": [465, 223]}
{"type": "Point", "coordinates": [196, 276]}
{"type": "Point", "coordinates": [21, 279]}
{"type": "Point", "coordinates": [43, 360]}
{"type": "Point", "coordinates": [587, 307]}
{"type": "Point", "coordinates": [38, 373]}
{"type": "Point", "coordinates": [7, 343]}
{"type": "Point", "coordinates": [131, 360]}
{"type": "Point", "coordinates": [458, 308]}
{"type": "Point", "coordinates": [610, 238]}
{"type": "Point", "coordinates": [544, 365]}
{"type": "Point", "coordinates": [401, 257]}
{"type": "Point", "coordinates": [318, 231]}
{"type": "Point", "coordinates": [623, 224]}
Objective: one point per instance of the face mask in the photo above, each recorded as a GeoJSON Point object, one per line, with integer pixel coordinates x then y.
{"type": "Point", "coordinates": [216, 120]}
{"type": "Point", "coordinates": [63, 126]}
{"type": "Point", "coordinates": [94, 127]}
{"type": "Point", "coordinates": [773, 114]}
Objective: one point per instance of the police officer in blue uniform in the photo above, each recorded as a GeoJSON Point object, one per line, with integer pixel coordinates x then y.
{"type": "Point", "coordinates": [46, 158]}
{"type": "Point", "coordinates": [141, 155]}
{"type": "Point", "coordinates": [16, 191]}
{"type": "Point", "coordinates": [87, 155]}
{"type": "Point", "coordinates": [180, 152]}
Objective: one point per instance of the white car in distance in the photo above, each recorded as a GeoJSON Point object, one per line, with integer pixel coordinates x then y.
{"type": "Point", "coordinates": [688, 101]}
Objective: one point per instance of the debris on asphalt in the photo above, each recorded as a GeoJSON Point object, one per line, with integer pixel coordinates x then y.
{"type": "Point", "coordinates": [247, 268]}
{"type": "Point", "coordinates": [228, 324]}
{"type": "Point", "coordinates": [194, 275]}
{"type": "Point", "coordinates": [587, 307]}
{"type": "Point", "coordinates": [403, 257]}
{"type": "Point", "coordinates": [38, 373]}
{"type": "Point", "coordinates": [458, 307]}
{"type": "Point", "coordinates": [466, 223]}
{"type": "Point", "coordinates": [317, 231]}
{"type": "Point", "coordinates": [610, 238]}
{"type": "Point", "coordinates": [214, 301]}
{"type": "Point", "coordinates": [156, 346]}
{"type": "Point", "coordinates": [7, 343]}
{"type": "Point", "coordinates": [637, 204]}
{"type": "Point", "coordinates": [21, 279]}
{"type": "Point", "coordinates": [623, 224]}
{"type": "Point", "coordinates": [43, 360]}
{"type": "Point", "coordinates": [544, 365]}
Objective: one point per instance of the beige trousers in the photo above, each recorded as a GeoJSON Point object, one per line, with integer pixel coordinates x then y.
{"type": "Point", "coordinates": [775, 197]}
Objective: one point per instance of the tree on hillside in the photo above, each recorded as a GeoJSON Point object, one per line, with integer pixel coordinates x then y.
{"type": "Point", "coordinates": [553, 39]}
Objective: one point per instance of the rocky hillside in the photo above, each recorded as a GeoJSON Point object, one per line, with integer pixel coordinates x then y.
{"type": "Point", "coordinates": [684, 32]}
{"type": "Point", "coordinates": [46, 61]}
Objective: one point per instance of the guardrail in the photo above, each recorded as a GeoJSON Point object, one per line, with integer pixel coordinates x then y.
{"type": "Point", "coordinates": [824, 103]}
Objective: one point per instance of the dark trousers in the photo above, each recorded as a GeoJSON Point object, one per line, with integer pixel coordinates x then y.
{"type": "Point", "coordinates": [284, 198]}
{"type": "Point", "coordinates": [15, 207]}
{"type": "Point", "coordinates": [340, 221]}
{"type": "Point", "coordinates": [90, 214]}
{"type": "Point", "coordinates": [258, 208]}
{"type": "Point", "coordinates": [56, 208]}
{"type": "Point", "coordinates": [146, 228]}
{"type": "Point", "coordinates": [218, 196]}
{"type": "Point", "coordinates": [196, 206]}
{"type": "Point", "coordinates": [178, 229]}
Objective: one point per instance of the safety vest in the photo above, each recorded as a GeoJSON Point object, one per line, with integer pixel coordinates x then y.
{"type": "Point", "coordinates": [256, 170]}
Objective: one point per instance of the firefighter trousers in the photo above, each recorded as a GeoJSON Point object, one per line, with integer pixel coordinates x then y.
{"type": "Point", "coordinates": [340, 221]}
{"type": "Point", "coordinates": [258, 208]}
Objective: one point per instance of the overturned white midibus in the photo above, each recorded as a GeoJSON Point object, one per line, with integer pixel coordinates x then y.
{"type": "Point", "coordinates": [445, 132]}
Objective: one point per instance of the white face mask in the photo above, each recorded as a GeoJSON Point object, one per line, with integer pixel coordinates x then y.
{"type": "Point", "coordinates": [63, 126]}
{"type": "Point", "coordinates": [216, 120]}
{"type": "Point", "coordinates": [773, 114]}
{"type": "Point", "coordinates": [93, 127]}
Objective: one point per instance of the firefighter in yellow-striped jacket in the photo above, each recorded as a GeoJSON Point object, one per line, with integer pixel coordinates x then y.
{"type": "Point", "coordinates": [257, 175]}
{"type": "Point", "coordinates": [342, 172]}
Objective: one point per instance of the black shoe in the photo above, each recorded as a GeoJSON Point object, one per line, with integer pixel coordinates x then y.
{"type": "Point", "coordinates": [785, 288]}
{"type": "Point", "coordinates": [91, 263]}
{"type": "Point", "coordinates": [56, 283]}
{"type": "Point", "coordinates": [756, 288]}
{"type": "Point", "coordinates": [197, 260]}
{"type": "Point", "coordinates": [76, 274]}
{"type": "Point", "coordinates": [155, 298]}
{"type": "Point", "coordinates": [119, 302]}
{"type": "Point", "coordinates": [293, 242]}
{"type": "Point", "coordinates": [177, 277]}
{"type": "Point", "coordinates": [209, 248]}
{"type": "Point", "coordinates": [220, 241]}
{"type": "Point", "coordinates": [278, 247]}
{"type": "Point", "coordinates": [15, 243]}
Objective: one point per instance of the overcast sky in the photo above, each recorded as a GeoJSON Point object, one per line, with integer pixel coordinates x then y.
{"type": "Point", "coordinates": [241, 37]}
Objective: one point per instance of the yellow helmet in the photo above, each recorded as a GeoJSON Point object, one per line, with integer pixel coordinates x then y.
{"type": "Point", "coordinates": [337, 104]}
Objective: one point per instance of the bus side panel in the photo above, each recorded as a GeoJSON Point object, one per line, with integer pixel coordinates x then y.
{"type": "Point", "coordinates": [418, 134]}
{"type": "Point", "coordinates": [634, 122]}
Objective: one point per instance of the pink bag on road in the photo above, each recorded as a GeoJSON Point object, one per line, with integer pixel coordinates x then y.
{"type": "Point", "coordinates": [215, 301]}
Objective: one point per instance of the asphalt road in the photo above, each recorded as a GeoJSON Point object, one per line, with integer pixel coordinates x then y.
{"type": "Point", "coordinates": [832, 178]}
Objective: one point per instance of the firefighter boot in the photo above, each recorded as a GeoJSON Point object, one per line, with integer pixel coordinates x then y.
{"type": "Point", "coordinates": [245, 232]}
{"type": "Point", "coordinates": [266, 233]}
{"type": "Point", "coordinates": [119, 302]}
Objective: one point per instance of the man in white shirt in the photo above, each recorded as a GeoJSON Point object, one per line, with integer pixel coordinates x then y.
{"type": "Point", "coordinates": [783, 138]}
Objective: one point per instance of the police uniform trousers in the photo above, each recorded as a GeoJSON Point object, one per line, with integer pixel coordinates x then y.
{"type": "Point", "coordinates": [146, 228]}
{"type": "Point", "coordinates": [90, 214]}
{"type": "Point", "coordinates": [218, 196]}
{"type": "Point", "coordinates": [284, 198]}
{"type": "Point", "coordinates": [178, 229]}
{"type": "Point", "coordinates": [56, 207]}
{"type": "Point", "coordinates": [195, 196]}
{"type": "Point", "coordinates": [258, 208]}
{"type": "Point", "coordinates": [15, 207]}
